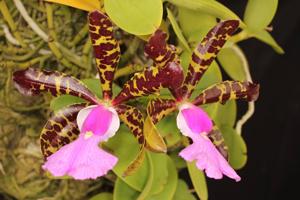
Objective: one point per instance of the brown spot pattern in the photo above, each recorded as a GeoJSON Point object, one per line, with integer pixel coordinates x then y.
{"type": "Point", "coordinates": [133, 119]}
{"type": "Point", "coordinates": [150, 81]}
{"type": "Point", "coordinates": [217, 139]}
{"type": "Point", "coordinates": [205, 53]}
{"type": "Point", "coordinates": [106, 50]}
{"type": "Point", "coordinates": [33, 81]}
{"type": "Point", "coordinates": [60, 129]}
{"type": "Point", "coordinates": [228, 90]}
{"type": "Point", "coordinates": [159, 108]}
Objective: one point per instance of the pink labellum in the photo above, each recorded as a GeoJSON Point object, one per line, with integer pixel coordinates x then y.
{"type": "Point", "coordinates": [193, 120]}
{"type": "Point", "coordinates": [99, 120]}
{"type": "Point", "coordinates": [195, 123]}
{"type": "Point", "coordinates": [208, 158]}
{"type": "Point", "coordinates": [82, 158]}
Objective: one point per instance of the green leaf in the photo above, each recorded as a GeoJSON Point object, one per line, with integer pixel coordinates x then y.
{"type": "Point", "coordinates": [182, 192]}
{"type": "Point", "coordinates": [266, 37]}
{"type": "Point", "coordinates": [236, 146]}
{"type": "Point", "coordinates": [160, 172]}
{"type": "Point", "coordinates": [126, 153]}
{"type": "Point", "coordinates": [259, 13]}
{"type": "Point", "coordinates": [231, 59]}
{"type": "Point", "coordinates": [170, 185]}
{"type": "Point", "coordinates": [63, 101]}
{"type": "Point", "coordinates": [207, 6]}
{"type": "Point", "coordinates": [222, 114]}
{"type": "Point", "coordinates": [94, 85]}
{"type": "Point", "coordinates": [169, 131]}
{"type": "Point", "coordinates": [178, 161]}
{"type": "Point", "coordinates": [198, 180]}
{"type": "Point", "coordinates": [226, 114]}
{"type": "Point", "coordinates": [103, 196]}
{"type": "Point", "coordinates": [211, 110]}
{"type": "Point", "coordinates": [195, 24]}
{"type": "Point", "coordinates": [135, 16]}
{"type": "Point", "coordinates": [212, 75]}
{"type": "Point", "coordinates": [177, 30]}
{"type": "Point", "coordinates": [122, 191]}
{"type": "Point", "coordinates": [146, 190]}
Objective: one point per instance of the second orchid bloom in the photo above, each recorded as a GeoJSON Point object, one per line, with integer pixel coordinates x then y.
{"type": "Point", "coordinates": [209, 155]}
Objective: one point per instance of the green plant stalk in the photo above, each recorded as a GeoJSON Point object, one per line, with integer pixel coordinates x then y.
{"type": "Point", "coordinates": [7, 86]}
{"type": "Point", "coordinates": [12, 50]}
{"type": "Point", "coordinates": [80, 35]}
{"type": "Point", "coordinates": [243, 35]}
{"type": "Point", "coordinates": [86, 49]}
{"type": "Point", "coordinates": [87, 56]}
{"type": "Point", "coordinates": [35, 6]}
{"type": "Point", "coordinates": [58, 49]}
{"type": "Point", "coordinates": [72, 57]}
{"type": "Point", "coordinates": [124, 71]}
{"type": "Point", "coordinates": [51, 41]}
{"type": "Point", "coordinates": [12, 64]}
{"type": "Point", "coordinates": [130, 52]}
{"type": "Point", "coordinates": [6, 15]}
{"type": "Point", "coordinates": [26, 56]}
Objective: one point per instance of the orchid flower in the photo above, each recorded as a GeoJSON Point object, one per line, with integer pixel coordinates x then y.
{"type": "Point", "coordinates": [208, 149]}
{"type": "Point", "coordinates": [70, 138]}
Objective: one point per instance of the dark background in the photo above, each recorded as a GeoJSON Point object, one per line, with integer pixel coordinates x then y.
{"type": "Point", "coordinates": [272, 134]}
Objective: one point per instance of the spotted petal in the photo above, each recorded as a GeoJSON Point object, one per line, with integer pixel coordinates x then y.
{"type": "Point", "coordinates": [206, 52]}
{"type": "Point", "coordinates": [218, 140]}
{"type": "Point", "coordinates": [134, 120]}
{"type": "Point", "coordinates": [150, 81]}
{"type": "Point", "coordinates": [159, 51]}
{"type": "Point", "coordinates": [33, 81]}
{"type": "Point", "coordinates": [106, 50]}
{"type": "Point", "coordinates": [227, 90]}
{"type": "Point", "coordinates": [159, 108]}
{"type": "Point", "coordinates": [60, 129]}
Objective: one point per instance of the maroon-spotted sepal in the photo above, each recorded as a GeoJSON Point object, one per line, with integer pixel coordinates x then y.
{"type": "Point", "coordinates": [133, 119]}
{"type": "Point", "coordinates": [150, 81]}
{"type": "Point", "coordinates": [106, 49]}
{"type": "Point", "coordinates": [205, 53]}
{"type": "Point", "coordinates": [159, 51]}
{"type": "Point", "coordinates": [227, 90]}
{"type": "Point", "coordinates": [33, 81]}
{"type": "Point", "coordinates": [217, 139]}
{"type": "Point", "coordinates": [159, 108]}
{"type": "Point", "coordinates": [60, 129]}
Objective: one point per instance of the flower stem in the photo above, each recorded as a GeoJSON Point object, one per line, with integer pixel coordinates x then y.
{"type": "Point", "coordinates": [7, 16]}
{"type": "Point", "coordinates": [251, 106]}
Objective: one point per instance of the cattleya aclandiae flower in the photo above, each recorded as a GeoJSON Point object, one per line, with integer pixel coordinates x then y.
{"type": "Point", "coordinates": [208, 149]}
{"type": "Point", "coordinates": [70, 138]}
